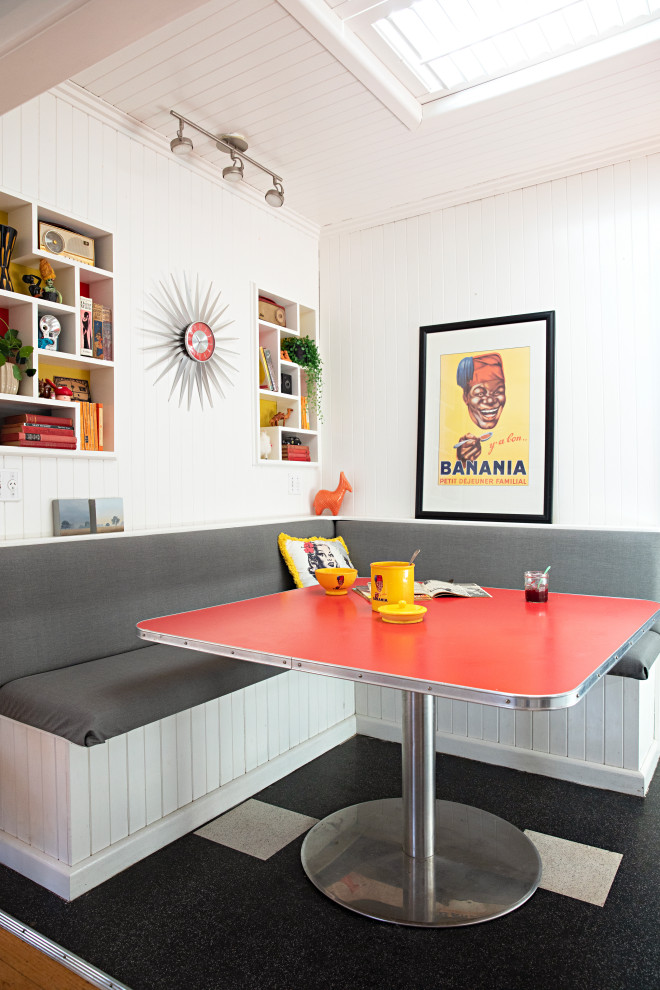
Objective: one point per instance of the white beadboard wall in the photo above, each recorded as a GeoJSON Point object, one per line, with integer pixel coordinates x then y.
{"type": "Point", "coordinates": [586, 246]}
{"type": "Point", "coordinates": [607, 740]}
{"type": "Point", "coordinates": [71, 816]}
{"type": "Point", "coordinates": [173, 468]}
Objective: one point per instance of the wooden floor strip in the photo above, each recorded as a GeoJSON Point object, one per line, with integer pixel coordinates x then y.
{"type": "Point", "coordinates": [24, 967]}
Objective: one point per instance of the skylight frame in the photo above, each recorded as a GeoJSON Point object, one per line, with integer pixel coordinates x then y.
{"type": "Point", "coordinates": [430, 79]}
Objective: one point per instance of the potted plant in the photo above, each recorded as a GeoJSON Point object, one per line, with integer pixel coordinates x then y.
{"type": "Point", "coordinates": [14, 360]}
{"type": "Point", "coordinates": [303, 351]}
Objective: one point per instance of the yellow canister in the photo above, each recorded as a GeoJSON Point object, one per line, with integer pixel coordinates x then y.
{"type": "Point", "coordinates": [392, 581]}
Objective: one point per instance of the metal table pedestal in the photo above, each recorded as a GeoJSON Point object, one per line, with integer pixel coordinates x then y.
{"type": "Point", "coordinates": [417, 861]}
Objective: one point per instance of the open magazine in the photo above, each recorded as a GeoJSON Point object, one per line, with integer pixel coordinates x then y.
{"type": "Point", "coordinates": [439, 589]}
{"type": "Point", "coordinates": [425, 590]}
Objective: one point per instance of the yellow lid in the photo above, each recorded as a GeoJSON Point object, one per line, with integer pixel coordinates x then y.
{"type": "Point", "coordinates": [402, 612]}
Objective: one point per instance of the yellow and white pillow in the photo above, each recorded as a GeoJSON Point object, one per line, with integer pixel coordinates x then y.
{"type": "Point", "coordinates": [304, 555]}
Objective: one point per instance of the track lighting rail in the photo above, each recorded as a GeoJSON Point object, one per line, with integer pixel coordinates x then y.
{"type": "Point", "coordinates": [275, 196]}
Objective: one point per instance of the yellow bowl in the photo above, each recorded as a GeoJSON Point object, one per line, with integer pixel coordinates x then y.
{"type": "Point", "coordinates": [336, 580]}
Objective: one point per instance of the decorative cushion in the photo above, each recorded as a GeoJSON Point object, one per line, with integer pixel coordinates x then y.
{"type": "Point", "coordinates": [303, 556]}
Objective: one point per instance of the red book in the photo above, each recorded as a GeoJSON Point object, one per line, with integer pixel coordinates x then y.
{"type": "Point", "coordinates": [66, 445]}
{"type": "Point", "coordinates": [40, 427]}
{"type": "Point", "coordinates": [38, 418]}
{"type": "Point", "coordinates": [51, 431]}
{"type": "Point", "coordinates": [28, 434]}
{"type": "Point", "coordinates": [295, 453]}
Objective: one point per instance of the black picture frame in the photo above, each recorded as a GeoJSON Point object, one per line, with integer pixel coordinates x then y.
{"type": "Point", "coordinates": [504, 429]}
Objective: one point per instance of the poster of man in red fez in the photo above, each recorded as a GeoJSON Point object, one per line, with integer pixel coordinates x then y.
{"type": "Point", "coordinates": [484, 418]}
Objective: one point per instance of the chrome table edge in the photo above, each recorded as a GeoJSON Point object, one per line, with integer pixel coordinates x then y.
{"type": "Point", "coordinates": [455, 692]}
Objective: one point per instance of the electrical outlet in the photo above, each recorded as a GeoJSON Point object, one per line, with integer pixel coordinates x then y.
{"type": "Point", "coordinates": [294, 483]}
{"type": "Point", "coordinates": [10, 485]}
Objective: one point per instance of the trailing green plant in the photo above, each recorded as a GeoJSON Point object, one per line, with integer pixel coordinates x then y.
{"type": "Point", "coordinates": [303, 351]}
{"type": "Point", "coordinates": [13, 352]}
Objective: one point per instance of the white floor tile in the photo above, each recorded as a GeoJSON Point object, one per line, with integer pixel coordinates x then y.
{"type": "Point", "coordinates": [583, 872]}
{"type": "Point", "coordinates": [256, 828]}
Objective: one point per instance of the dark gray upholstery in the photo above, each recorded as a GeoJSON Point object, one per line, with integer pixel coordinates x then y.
{"type": "Point", "coordinates": [87, 595]}
{"type": "Point", "coordinates": [95, 701]}
{"type": "Point", "coordinates": [618, 563]}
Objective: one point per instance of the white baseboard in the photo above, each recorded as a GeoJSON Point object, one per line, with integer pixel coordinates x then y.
{"type": "Point", "coordinates": [561, 767]}
{"type": "Point", "coordinates": [650, 762]}
{"type": "Point", "coordinates": [70, 882]}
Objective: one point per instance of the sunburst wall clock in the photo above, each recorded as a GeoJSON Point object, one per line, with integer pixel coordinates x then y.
{"type": "Point", "coordinates": [192, 341]}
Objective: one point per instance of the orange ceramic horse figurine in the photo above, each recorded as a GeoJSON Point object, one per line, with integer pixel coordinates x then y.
{"type": "Point", "coordinates": [332, 500]}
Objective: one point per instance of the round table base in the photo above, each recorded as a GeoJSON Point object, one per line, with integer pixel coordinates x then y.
{"type": "Point", "coordinates": [483, 866]}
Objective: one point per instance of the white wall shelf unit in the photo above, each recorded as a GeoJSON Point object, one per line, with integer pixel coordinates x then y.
{"type": "Point", "coordinates": [301, 321]}
{"type": "Point", "coordinates": [22, 311]}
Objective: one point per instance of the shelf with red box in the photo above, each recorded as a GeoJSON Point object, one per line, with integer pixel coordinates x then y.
{"type": "Point", "coordinates": [59, 348]}
{"type": "Point", "coordinates": [281, 382]}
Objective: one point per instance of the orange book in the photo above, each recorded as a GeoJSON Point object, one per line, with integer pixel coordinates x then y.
{"type": "Point", "coordinates": [99, 421]}
{"type": "Point", "coordinates": [85, 439]}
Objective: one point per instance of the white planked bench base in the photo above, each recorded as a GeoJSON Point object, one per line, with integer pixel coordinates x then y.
{"type": "Point", "coordinates": [610, 739]}
{"type": "Point", "coordinates": [71, 817]}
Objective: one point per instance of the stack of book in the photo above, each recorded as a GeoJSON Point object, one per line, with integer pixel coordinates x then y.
{"type": "Point", "coordinates": [295, 452]}
{"type": "Point", "coordinates": [38, 430]}
{"type": "Point", "coordinates": [267, 377]}
{"type": "Point", "coordinates": [304, 415]}
{"type": "Point", "coordinates": [91, 426]}
{"type": "Point", "coordinates": [102, 332]}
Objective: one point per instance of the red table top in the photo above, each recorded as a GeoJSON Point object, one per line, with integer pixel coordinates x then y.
{"type": "Point", "coordinates": [498, 650]}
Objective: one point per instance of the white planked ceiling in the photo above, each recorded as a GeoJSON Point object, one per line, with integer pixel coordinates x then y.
{"type": "Point", "coordinates": [345, 156]}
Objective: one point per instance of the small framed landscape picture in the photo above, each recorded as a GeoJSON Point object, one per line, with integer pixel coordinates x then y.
{"type": "Point", "coordinates": [107, 515]}
{"type": "Point", "coordinates": [71, 517]}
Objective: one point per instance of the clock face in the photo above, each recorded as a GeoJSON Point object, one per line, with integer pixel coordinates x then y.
{"type": "Point", "coordinates": [199, 341]}
{"type": "Point", "coordinates": [193, 342]}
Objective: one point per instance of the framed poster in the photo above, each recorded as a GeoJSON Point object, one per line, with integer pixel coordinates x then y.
{"type": "Point", "coordinates": [485, 425]}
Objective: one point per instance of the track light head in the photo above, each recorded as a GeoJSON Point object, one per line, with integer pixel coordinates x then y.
{"type": "Point", "coordinates": [233, 172]}
{"type": "Point", "coordinates": [275, 196]}
{"type": "Point", "coordinates": [181, 145]}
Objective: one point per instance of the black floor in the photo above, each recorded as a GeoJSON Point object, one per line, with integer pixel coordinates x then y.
{"type": "Point", "coordinates": [199, 916]}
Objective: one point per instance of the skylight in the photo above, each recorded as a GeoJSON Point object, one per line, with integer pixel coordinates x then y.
{"type": "Point", "coordinates": [445, 46]}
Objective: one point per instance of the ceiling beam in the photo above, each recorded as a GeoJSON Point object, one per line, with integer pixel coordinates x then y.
{"type": "Point", "coordinates": [317, 18]}
{"type": "Point", "coordinates": [84, 34]}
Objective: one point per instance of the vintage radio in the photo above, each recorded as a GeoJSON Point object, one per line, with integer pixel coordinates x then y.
{"type": "Point", "coordinates": [66, 243]}
{"type": "Point", "coordinates": [270, 311]}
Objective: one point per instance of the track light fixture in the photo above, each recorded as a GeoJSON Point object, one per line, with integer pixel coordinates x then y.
{"type": "Point", "coordinates": [275, 196]}
{"type": "Point", "coordinates": [181, 145]}
{"type": "Point", "coordinates": [233, 172]}
{"type": "Point", "coordinates": [234, 145]}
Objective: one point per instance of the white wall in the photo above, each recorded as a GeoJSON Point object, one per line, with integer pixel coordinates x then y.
{"type": "Point", "coordinates": [173, 467]}
{"type": "Point", "coordinates": [587, 246]}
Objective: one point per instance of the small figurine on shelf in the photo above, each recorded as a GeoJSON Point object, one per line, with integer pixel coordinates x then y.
{"type": "Point", "coordinates": [332, 500]}
{"type": "Point", "coordinates": [45, 389]}
{"type": "Point", "coordinates": [49, 331]}
{"type": "Point", "coordinates": [280, 417]}
{"type": "Point", "coordinates": [265, 445]}
{"type": "Point", "coordinates": [62, 392]}
{"type": "Point", "coordinates": [49, 292]}
{"type": "Point", "coordinates": [33, 283]}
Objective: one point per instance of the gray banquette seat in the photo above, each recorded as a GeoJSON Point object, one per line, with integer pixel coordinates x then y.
{"type": "Point", "coordinates": [72, 663]}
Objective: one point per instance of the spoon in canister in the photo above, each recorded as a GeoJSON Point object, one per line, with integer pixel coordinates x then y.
{"type": "Point", "coordinates": [412, 559]}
